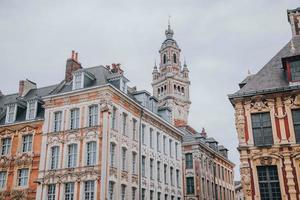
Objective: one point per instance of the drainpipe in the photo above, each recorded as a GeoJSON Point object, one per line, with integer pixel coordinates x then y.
{"type": "Point", "coordinates": [140, 154]}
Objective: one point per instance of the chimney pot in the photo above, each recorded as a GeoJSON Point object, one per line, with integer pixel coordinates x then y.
{"type": "Point", "coordinates": [76, 56]}
{"type": "Point", "coordinates": [72, 66]}
{"type": "Point", "coordinates": [73, 52]}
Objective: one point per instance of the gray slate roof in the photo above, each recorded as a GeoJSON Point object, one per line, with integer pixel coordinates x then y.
{"type": "Point", "coordinates": [271, 77]}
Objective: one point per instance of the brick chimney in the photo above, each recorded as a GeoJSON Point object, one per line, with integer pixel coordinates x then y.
{"type": "Point", "coordinates": [25, 86]}
{"type": "Point", "coordinates": [294, 20]}
{"type": "Point", "coordinates": [72, 65]}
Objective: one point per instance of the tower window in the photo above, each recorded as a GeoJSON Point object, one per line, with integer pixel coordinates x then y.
{"type": "Point", "coordinates": [165, 59]}
{"type": "Point", "coordinates": [182, 90]}
{"type": "Point", "coordinates": [174, 58]}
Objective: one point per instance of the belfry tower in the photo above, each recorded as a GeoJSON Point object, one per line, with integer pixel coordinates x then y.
{"type": "Point", "coordinates": [171, 82]}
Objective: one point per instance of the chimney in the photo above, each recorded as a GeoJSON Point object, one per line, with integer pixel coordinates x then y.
{"type": "Point", "coordinates": [72, 66]}
{"type": "Point", "coordinates": [294, 20]}
{"type": "Point", "coordinates": [25, 86]}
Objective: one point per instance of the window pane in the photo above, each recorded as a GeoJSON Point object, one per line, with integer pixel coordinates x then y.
{"type": "Point", "coordinates": [262, 129]}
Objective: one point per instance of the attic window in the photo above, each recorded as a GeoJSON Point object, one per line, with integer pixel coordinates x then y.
{"type": "Point", "coordinates": [31, 110]}
{"type": "Point", "coordinates": [295, 70]}
{"type": "Point", "coordinates": [11, 113]}
{"type": "Point", "coordinates": [77, 81]}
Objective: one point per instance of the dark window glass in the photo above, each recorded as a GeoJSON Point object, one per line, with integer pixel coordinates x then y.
{"type": "Point", "coordinates": [189, 161]}
{"type": "Point", "coordinates": [296, 122]}
{"type": "Point", "coordinates": [262, 129]}
{"type": "Point", "coordinates": [268, 183]}
{"type": "Point", "coordinates": [190, 185]}
{"type": "Point", "coordinates": [295, 70]}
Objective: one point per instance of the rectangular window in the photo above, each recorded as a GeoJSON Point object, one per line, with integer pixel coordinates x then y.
{"type": "Point", "coordinates": [158, 141]}
{"type": "Point", "coordinates": [124, 159]}
{"type": "Point", "coordinates": [123, 192]}
{"type": "Point", "coordinates": [26, 143]}
{"type": "Point", "coordinates": [190, 185]}
{"type": "Point", "coordinates": [164, 144]}
{"type": "Point", "coordinates": [111, 190]}
{"type": "Point", "coordinates": [295, 70]}
{"type": "Point", "coordinates": [114, 118]}
{"type": "Point", "coordinates": [74, 118]}
{"type": "Point", "coordinates": [176, 150]}
{"type": "Point", "coordinates": [166, 197]}
{"type": "Point", "coordinates": [143, 194]}
{"type": "Point", "coordinates": [31, 108]}
{"type": "Point", "coordinates": [112, 154]}
{"type": "Point", "coordinates": [93, 115]}
{"type": "Point", "coordinates": [165, 174]}
{"type": "Point", "coordinates": [3, 179]}
{"type": "Point", "coordinates": [151, 138]}
{"type": "Point", "coordinates": [158, 195]}
{"type": "Point", "coordinates": [133, 163]}
{"type": "Point", "coordinates": [268, 182]}
{"type": "Point", "coordinates": [177, 178]}
{"type": "Point", "coordinates": [262, 129]}
{"type": "Point", "coordinates": [170, 148]}
{"type": "Point", "coordinates": [77, 81]}
{"type": "Point", "coordinates": [158, 171]}
{"type": "Point", "coordinates": [134, 133]}
{"type": "Point", "coordinates": [151, 194]}
{"type": "Point", "coordinates": [172, 176]}
{"type": "Point", "coordinates": [69, 191]}
{"type": "Point", "coordinates": [89, 190]}
{"type": "Point", "coordinates": [11, 113]}
{"type": "Point", "coordinates": [143, 166]}
{"type": "Point", "coordinates": [151, 168]}
{"type": "Point", "coordinates": [72, 155]}
{"type": "Point", "coordinates": [143, 133]}
{"type": "Point", "coordinates": [51, 192]}
{"type": "Point", "coordinates": [133, 195]}
{"type": "Point", "coordinates": [5, 146]}
{"type": "Point", "coordinates": [22, 177]}
{"type": "Point", "coordinates": [54, 157]}
{"type": "Point", "coordinates": [296, 122]}
{"type": "Point", "coordinates": [189, 161]}
{"type": "Point", "coordinates": [124, 120]}
{"type": "Point", "coordinates": [57, 121]}
{"type": "Point", "coordinates": [91, 153]}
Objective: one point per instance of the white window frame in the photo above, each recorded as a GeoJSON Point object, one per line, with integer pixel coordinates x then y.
{"type": "Point", "coordinates": [57, 121]}
{"type": "Point", "coordinates": [51, 194]}
{"type": "Point", "coordinates": [3, 179]}
{"type": "Point", "coordinates": [5, 148]}
{"type": "Point", "coordinates": [11, 110]}
{"type": "Point", "coordinates": [124, 161]}
{"type": "Point", "coordinates": [26, 145]}
{"type": "Point", "coordinates": [22, 179]}
{"type": "Point", "coordinates": [31, 110]}
{"type": "Point", "coordinates": [78, 83]}
{"type": "Point", "coordinates": [111, 187]}
{"type": "Point", "coordinates": [89, 189]}
{"type": "Point", "coordinates": [93, 115]}
{"type": "Point", "coordinates": [91, 153]}
{"type": "Point", "coordinates": [72, 156]}
{"type": "Point", "coordinates": [112, 154]}
{"type": "Point", "coordinates": [74, 120]}
{"type": "Point", "coordinates": [69, 192]}
{"type": "Point", "coordinates": [54, 158]}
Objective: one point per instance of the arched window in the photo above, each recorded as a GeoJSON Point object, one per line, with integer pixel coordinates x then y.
{"type": "Point", "coordinates": [165, 88]}
{"type": "Point", "coordinates": [178, 88]}
{"type": "Point", "coordinates": [165, 59]}
{"type": "Point", "coordinates": [162, 89]}
{"type": "Point", "coordinates": [174, 58]}
{"type": "Point", "coordinates": [158, 91]}
{"type": "Point", "coordinates": [182, 90]}
{"type": "Point", "coordinates": [174, 88]}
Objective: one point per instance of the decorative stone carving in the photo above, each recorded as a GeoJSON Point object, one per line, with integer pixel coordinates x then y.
{"type": "Point", "coordinates": [266, 160]}
{"type": "Point", "coordinates": [5, 161]}
{"type": "Point", "coordinates": [246, 180]}
{"type": "Point", "coordinates": [22, 159]}
{"type": "Point", "coordinates": [113, 172]}
{"type": "Point", "coordinates": [240, 122]}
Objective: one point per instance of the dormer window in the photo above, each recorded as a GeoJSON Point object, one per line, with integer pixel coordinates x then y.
{"type": "Point", "coordinates": [11, 113]}
{"type": "Point", "coordinates": [31, 110]}
{"type": "Point", "coordinates": [295, 70]}
{"type": "Point", "coordinates": [77, 80]}
{"type": "Point", "coordinates": [123, 85]}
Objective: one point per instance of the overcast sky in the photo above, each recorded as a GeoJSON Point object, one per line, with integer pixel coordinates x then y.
{"type": "Point", "coordinates": [221, 41]}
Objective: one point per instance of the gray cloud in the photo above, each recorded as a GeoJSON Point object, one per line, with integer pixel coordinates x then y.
{"type": "Point", "coordinates": [221, 40]}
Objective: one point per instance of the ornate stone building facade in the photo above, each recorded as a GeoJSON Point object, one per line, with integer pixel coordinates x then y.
{"type": "Point", "coordinates": [90, 143]}
{"type": "Point", "coordinates": [267, 117]}
{"type": "Point", "coordinates": [21, 120]}
{"type": "Point", "coordinates": [207, 170]}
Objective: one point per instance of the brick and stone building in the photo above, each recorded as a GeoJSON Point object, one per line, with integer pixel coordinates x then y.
{"type": "Point", "coordinates": [267, 114]}
{"type": "Point", "coordinates": [21, 121]}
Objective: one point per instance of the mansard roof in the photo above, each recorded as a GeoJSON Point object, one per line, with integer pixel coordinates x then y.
{"type": "Point", "coordinates": [271, 78]}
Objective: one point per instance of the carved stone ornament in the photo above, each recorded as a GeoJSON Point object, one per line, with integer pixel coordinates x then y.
{"type": "Point", "coordinates": [21, 194]}
{"type": "Point", "coordinates": [297, 100]}
{"type": "Point", "coordinates": [240, 122]}
{"type": "Point", "coordinates": [259, 105]}
{"type": "Point", "coordinates": [266, 160]}
{"type": "Point", "coordinates": [5, 161]}
{"type": "Point", "coordinates": [113, 172]}
{"type": "Point", "coordinates": [4, 194]}
{"type": "Point", "coordinates": [24, 158]}
{"type": "Point", "coordinates": [246, 180]}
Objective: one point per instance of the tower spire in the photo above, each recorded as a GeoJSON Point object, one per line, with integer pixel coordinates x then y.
{"type": "Point", "coordinates": [169, 31]}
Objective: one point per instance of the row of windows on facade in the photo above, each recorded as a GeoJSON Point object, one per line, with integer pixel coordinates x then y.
{"type": "Point", "coordinates": [262, 127]}
{"type": "Point", "coordinates": [173, 146]}
{"type": "Point", "coordinates": [21, 181]}
{"type": "Point", "coordinates": [220, 172]}
{"type": "Point", "coordinates": [31, 111]}
{"type": "Point", "coordinates": [26, 144]}
{"type": "Point", "coordinates": [72, 155]}
{"type": "Point", "coordinates": [124, 166]}
{"type": "Point", "coordinates": [209, 189]}
{"type": "Point", "coordinates": [134, 195]}
{"type": "Point", "coordinates": [89, 192]}
{"type": "Point", "coordinates": [177, 90]}
{"type": "Point", "coordinates": [74, 120]}
{"type": "Point", "coordinates": [165, 58]}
